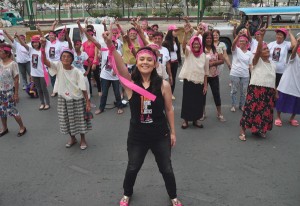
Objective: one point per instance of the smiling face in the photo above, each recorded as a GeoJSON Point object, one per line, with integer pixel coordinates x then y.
{"type": "Point", "coordinates": [158, 40]}
{"type": "Point", "coordinates": [52, 37]}
{"type": "Point", "coordinates": [132, 35]}
{"type": "Point", "coordinates": [196, 46]}
{"type": "Point", "coordinates": [66, 58]}
{"type": "Point", "coordinates": [265, 51]}
{"type": "Point", "coordinates": [208, 40]}
{"type": "Point", "coordinates": [279, 37]}
{"type": "Point", "coordinates": [216, 36]}
{"type": "Point", "coordinates": [242, 43]}
{"type": "Point", "coordinates": [145, 63]}
{"type": "Point", "coordinates": [35, 44]}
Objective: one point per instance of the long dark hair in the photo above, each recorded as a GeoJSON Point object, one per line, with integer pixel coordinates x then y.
{"type": "Point", "coordinates": [168, 43]}
{"type": "Point", "coordinates": [204, 37]}
{"type": "Point", "coordinates": [155, 79]}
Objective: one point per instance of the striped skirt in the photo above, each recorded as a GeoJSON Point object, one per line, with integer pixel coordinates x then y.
{"type": "Point", "coordinates": [71, 116]}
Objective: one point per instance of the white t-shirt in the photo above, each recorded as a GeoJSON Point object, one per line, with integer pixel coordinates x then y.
{"type": "Point", "coordinates": [278, 54]}
{"type": "Point", "coordinates": [253, 45]}
{"type": "Point", "coordinates": [240, 63]}
{"type": "Point", "coordinates": [21, 52]}
{"type": "Point", "coordinates": [36, 67]}
{"type": "Point", "coordinates": [69, 83]}
{"type": "Point", "coordinates": [79, 60]}
{"type": "Point", "coordinates": [173, 54]}
{"type": "Point", "coordinates": [290, 80]}
{"type": "Point", "coordinates": [106, 69]}
{"type": "Point", "coordinates": [164, 56]}
{"type": "Point", "coordinates": [53, 50]}
{"type": "Point", "coordinates": [64, 44]}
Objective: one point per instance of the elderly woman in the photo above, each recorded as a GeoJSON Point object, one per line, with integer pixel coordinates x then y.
{"type": "Point", "coordinates": [150, 120]}
{"type": "Point", "coordinates": [194, 72]}
{"type": "Point", "coordinates": [289, 89]}
{"type": "Point", "coordinates": [279, 51]}
{"type": "Point", "coordinates": [239, 73]}
{"type": "Point", "coordinates": [9, 87]}
{"type": "Point", "coordinates": [258, 109]}
{"type": "Point", "coordinates": [73, 101]}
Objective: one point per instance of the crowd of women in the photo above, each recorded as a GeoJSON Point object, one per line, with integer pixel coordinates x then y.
{"type": "Point", "coordinates": [145, 61]}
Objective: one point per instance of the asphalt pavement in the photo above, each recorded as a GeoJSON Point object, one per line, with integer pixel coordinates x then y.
{"type": "Point", "coordinates": [212, 166]}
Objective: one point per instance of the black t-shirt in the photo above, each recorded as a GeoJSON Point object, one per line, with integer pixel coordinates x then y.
{"type": "Point", "coordinates": [148, 120]}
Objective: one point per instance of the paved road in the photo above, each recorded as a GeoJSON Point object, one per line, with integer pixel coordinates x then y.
{"type": "Point", "coordinates": [212, 166]}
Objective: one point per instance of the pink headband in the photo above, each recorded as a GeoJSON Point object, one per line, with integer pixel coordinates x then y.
{"type": "Point", "coordinates": [5, 48]}
{"type": "Point", "coordinates": [153, 46]}
{"type": "Point", "coordinates": [146, 51]}
{"type": "Point", "coordinates": [244, 38]}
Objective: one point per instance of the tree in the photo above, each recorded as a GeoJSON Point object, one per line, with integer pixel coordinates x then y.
{"type": "Point", "coordinates": [168, 5]}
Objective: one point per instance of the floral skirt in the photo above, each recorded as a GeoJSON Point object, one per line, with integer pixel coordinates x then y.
{"type": "Point", "coordinates": [7, 104]}
{"type": "Point", "coordinates": [258, 109]}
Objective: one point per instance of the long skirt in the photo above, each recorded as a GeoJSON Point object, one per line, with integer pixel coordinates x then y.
{"type": "Point", "coordinates": [258, 109]}
{"type": "Point", "coordinates": [7, 104]}
{"type": "Point", "coordinates": [288, 103]}
{"type": "Point", "coordinates": [192, 101]}
{"type": "Point", "coordinates": [71, 116]}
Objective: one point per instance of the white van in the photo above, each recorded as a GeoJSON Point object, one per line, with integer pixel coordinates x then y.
{"type": "Point", "coordinates": [74, 32]}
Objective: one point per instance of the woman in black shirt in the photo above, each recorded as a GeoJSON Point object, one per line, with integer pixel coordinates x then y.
{"type": "Point", "coordinates": [151, 123]}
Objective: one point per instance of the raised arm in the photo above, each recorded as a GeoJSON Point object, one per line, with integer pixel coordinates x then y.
{"type": "Point", "coordinates": [294, 51]}
{"type": "Point", "coordinates": [259, 46]}
{"type": "Point", "coordinates": [119, 27]}
{"type": "Point", "coordinates": [8, 36]}
{"type": "Point", "coordinates": [140, 32]}
{"type": "Point", "coordinates": [187, 29]}
{"type": "Point", "coordinates": [122, 69]}
{"type": "Point", "coordinates": [92, 39]}
{"type": "Point", "coordinates": [22, 42]}
{"type": "Point", "coordinates": [80, 27]}
{"type": "Point", "coordinates": [104, 25]}
{"type": "Point", "coordinates": [293, 39]}
{"type": "Point", "coordinates": [69, 40]}
{"type": "Point", "coordinates": [233, 46]}
{"type": "Point", "coordinates": [44, 59]}
{"type": "Point", "coordinates": [54, 25]}
{"type": "Point", "coordinates": [39, 30]}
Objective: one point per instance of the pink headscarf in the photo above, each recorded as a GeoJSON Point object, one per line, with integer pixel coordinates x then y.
{"type": "Point", "coordinates": [196, 53]}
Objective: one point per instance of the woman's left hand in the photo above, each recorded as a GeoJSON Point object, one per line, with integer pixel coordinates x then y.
{"type": "Point", "coordinates": [173, 140]}
{"type": "Point", "coordinates": [16, 98]}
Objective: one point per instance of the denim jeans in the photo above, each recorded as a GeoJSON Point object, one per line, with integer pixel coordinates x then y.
{"type": "Point", "coordinates": [238, 83]}
{"type": "Point", "coordinates": [162, 151]}
{"type": "Point", "coordinates": [105, 84]}
{"type": "Point", "coordinates": [23, 69]}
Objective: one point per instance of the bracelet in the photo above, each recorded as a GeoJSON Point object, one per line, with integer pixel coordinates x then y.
{"type": "Point", "coordinates": [111, 48]}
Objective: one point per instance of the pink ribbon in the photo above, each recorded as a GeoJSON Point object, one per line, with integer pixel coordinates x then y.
{"type": "Point", "coordinates": [128, 83]}
{"type": "Point", "coordinates": [46, 75]}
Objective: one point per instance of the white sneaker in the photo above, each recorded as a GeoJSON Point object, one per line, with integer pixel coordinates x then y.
{"type": "Point", "coordinates": [232, 109]}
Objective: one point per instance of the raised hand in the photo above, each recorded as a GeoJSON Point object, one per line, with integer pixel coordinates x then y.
{"type": "Point", "coordinates": [107, 37]}
{"type": "Point", "coordinates": [186, 19]}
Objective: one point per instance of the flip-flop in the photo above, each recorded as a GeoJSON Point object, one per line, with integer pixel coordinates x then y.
{"type": "Point", "coordinates": [278, 122]}
{"type": "Point", "coordinates": [294, 122]}
{"type": "Point", "coordinates": [242, 137]}
{"type": "Point", "coordinates": [120, 111]}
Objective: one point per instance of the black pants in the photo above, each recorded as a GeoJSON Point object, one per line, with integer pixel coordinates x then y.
{"type": "Point", "coordinates": [174, 68]}
{"type": "Point", "coordinates": [214, 84]}
{"type": "Point", "coordinates": [96, 73]}
{"type": "Point", "coordinates": [136, 154]}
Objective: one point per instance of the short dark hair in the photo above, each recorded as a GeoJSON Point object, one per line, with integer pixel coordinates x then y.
{"type": "Point", "coordinates": [158, 33]}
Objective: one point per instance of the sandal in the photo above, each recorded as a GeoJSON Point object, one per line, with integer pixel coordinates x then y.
{"type": "Point", "coordinates": [294, 122]}
{"type": "Point", "coordinates": [42, 107]}
{"type": "Point", "coordinates": [176, 202]}
{"type": "Point", "coordinates": [120, 111]}
{"type": "Point", "coordinates": [221, 118]}
{"type": "Point", "coordinates": [3, 132]}
{"type": "Point", "coordinates": [242, 137]}
{"type": "Point", "coordinates": [124, 201]}
{"type": "Point", "coordinates": [47, 107]}
{"type": "Point", "coordinates": [70, 144]}
{"type": "Point", "coordinates": [203, 117]}
{"type": "Point", "coordinates": [98, 111]}
{"type": "Point", "coordinates": [278, 122]}
{"type": "Point", "coordinates": [196, 124]}
{"type": "Point", "coordinates": [185, 125]}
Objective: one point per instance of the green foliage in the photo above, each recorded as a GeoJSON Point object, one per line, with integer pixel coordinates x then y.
{"type": "Point", "coordinates": [114, 13]}
{"type": "Point", "coordinates": [176, 12]}
{"type": "Point", "coordinates": [142, 14]}
{"type": "Point", "coordinates": [98, 13]}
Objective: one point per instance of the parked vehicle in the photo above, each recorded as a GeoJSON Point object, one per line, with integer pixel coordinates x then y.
{"type": "Point", "coordinates": [13, 17]}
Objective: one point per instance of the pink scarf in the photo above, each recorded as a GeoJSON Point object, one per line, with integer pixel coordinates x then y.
{"type": "Point", "coordinates": [196, 53]}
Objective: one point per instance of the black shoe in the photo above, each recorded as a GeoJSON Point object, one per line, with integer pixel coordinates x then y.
{"type": "Point", "coordinates": [3, 133]}
{"type": "Point", "coordinates": [22, 133]}
{"type": "Point", "coordinates": [185, 125]}
{"type": "Point", "coordinates": [197, 125]}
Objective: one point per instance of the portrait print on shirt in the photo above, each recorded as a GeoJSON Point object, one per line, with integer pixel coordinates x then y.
{"type": "Point", "coordinates": [52, 52]}
{"type": "Point", "coordinates": [276, 54]}
{"type": "Point", "coordinates": [146, 110]}
{"type": "Point", "coordinates": [35, 60]}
